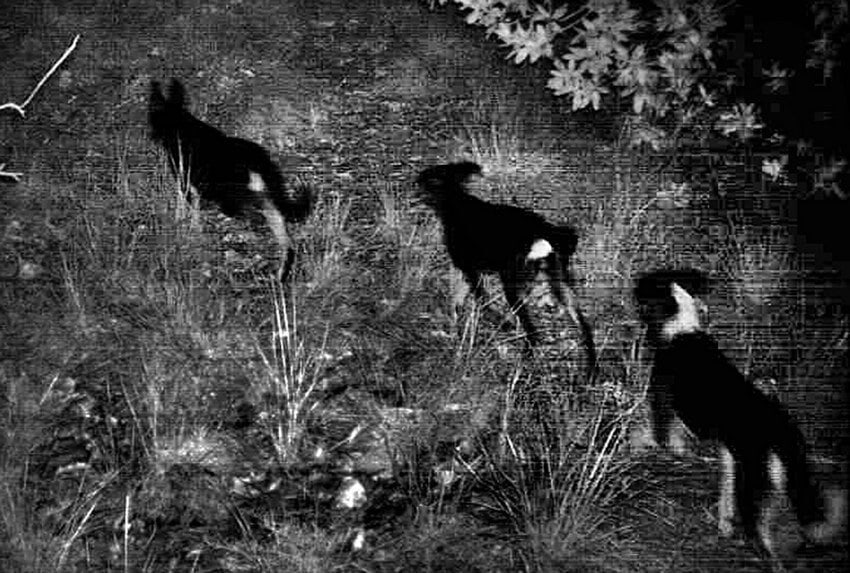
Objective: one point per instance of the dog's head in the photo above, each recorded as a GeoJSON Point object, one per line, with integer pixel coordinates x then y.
{"type": "Point", "coordinates": [164, 112]}
{"type": "Point", "coordinates": [668, 301]}
{"type": "Point", "coordinates": [438, 184]}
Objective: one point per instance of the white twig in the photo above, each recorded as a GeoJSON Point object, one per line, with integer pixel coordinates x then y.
{"type": "Point", "coordinates": [14, 175]}
{"type": "Point", "coordinates": [20, 107]}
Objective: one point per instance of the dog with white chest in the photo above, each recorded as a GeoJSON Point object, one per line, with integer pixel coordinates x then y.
{"type": "Point", "coordinates": [762, 451]}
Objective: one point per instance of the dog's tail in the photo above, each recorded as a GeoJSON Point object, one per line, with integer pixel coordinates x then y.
{"type": "Point", "coordinates": [293, 198]}
{"type": "Point", "coordinates": [821, 517]}
{"type": "Point", "coordinates": [296, 200]}
{"type": "Point", "coordinates": [565, 240]}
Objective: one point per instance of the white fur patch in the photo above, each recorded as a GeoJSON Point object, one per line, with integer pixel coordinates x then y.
{"type": "Point", "coordinates": [539, 250]}
{"type": "Point", "coordinates": [687, 316]}
{"type": "Point", "coordinates": [256, 183]}
{"type": "Point", "coordinates": [351, 494]}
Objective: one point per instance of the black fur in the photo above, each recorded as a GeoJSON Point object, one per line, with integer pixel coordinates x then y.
{"type": "Point", "coordinates": [219, 167]}
{"type": "Point", "coordinates": [693, 379]}
{"type": "Point", "coordinates": [483, 237]}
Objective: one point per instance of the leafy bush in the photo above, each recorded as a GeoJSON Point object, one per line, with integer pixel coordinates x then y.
{"type": "Point", "coordinates": [674, 68]}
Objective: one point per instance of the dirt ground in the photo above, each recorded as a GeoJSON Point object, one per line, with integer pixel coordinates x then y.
{"type": "Point", "coordinates": [354, 98]}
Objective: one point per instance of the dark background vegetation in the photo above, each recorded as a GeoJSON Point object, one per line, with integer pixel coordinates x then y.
{"type": "Point", "coordinates": [165, 407]}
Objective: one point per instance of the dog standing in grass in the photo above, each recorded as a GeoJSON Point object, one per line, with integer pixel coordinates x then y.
{"type": "Point", "coordinates": [236, 174]}
{"type": "Point", "coordinates": [514, 243]}
{"type": "Point", "coordinates": [763, 452]}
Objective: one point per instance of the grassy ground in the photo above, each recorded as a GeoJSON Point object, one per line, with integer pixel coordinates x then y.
{"type": "Point", "coordinates": [166, 408]}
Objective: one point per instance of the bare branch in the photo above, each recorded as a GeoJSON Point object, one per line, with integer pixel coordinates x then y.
{"type": "Point", "coordinates": [14, 175]}
{"type": "Point", "coordinates": [20, 107]}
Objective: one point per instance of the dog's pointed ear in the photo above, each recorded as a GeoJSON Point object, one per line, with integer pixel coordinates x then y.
{"type": "Point", "coordinates": [432, 178]}
{"type": "Point", "coordinates": [428, 180]}
{"type": "Point", "coordinates": [176, 94]}
{"type": "Point", "coordinates": [157, 100]}
{"type": "Point", "coordinates": [468, 168]}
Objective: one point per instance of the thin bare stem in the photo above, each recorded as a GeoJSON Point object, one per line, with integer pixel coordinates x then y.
{"type": "Point", "coordinates": [20, 107]}
{"type": "Point", "coordinates": [15, 175]}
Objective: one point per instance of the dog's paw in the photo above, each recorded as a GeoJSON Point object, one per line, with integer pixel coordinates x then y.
{"type": "Point", "coordinates": [642, 440]}
{"type": "Point", "coordinates": [725, 527]}
{"type": "Point", "coordinates": [677, 441]}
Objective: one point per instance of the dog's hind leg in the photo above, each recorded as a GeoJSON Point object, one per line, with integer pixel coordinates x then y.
{"type": "Point", "coordinates": [560, 286]}
{"type": "Point", "coordinates": [751, 489]}
{"type": "Point", "coordinates": [776, 474]}
{"type": "Point", "coordinates": [757, 478]}
{"type": "Point", "coordinates": [835, 522]}
{"type": "Point", "coordinates": [475, 283]}
{"type": "Point", "coordinates": [726, 505]}
{"type": "Point", "coordinates": [277, 224]}
{"type": "Point", "coordinates": [569, 301]}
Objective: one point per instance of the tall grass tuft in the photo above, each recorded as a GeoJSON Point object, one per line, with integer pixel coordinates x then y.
{"type": "Point", "coordinates": [556, 493]}
{"type": "Point", "coordinates": [327, 241]}
{"type": "Point", "coordinates": [292, 376]}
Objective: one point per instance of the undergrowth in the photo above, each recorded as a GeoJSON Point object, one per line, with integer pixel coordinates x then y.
{"type": "Point", "coordinates": [167, 406]}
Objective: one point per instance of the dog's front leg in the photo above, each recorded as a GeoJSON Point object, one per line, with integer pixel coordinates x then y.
{"type": "Point", "coordinates": [459, 287]}
{"type": "Point", "coordinates": [661, 406]}
{"type": "Point", "coordinates": [726, 504]}
{"type": "Point", "coordinates": [514, 284]}
{"type": "Point", "coordinates": [475, 282]}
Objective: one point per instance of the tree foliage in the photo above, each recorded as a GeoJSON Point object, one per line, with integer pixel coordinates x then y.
{"type": "Point", "coordinates": [676, 68]}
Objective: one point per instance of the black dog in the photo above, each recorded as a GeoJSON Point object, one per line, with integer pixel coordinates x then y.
{"type": "Point", "coordinates": [516, 244]}
{"type": "Point", "coordinates": [763, 452]}
{"type": "Point", "coordinates": [238, 175]}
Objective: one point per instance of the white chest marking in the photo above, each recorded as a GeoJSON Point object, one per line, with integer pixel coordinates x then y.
{"type": "Point", "coordinates": [539, 250]}
{"type": "Point", "coordinates": [687, 316]}
{"type": "Point", "coordinates": [256, 183]}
